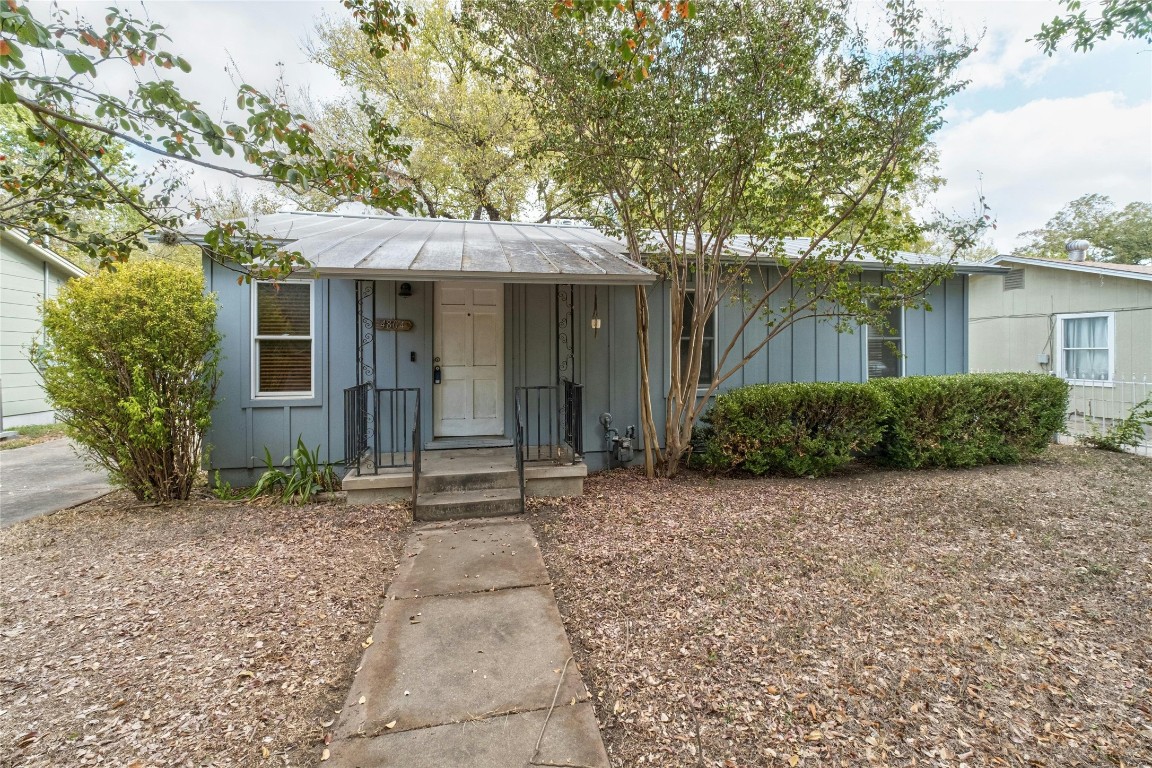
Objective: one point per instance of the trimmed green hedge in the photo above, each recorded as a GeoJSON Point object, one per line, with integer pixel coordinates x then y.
{"type": "Point", "coordinates": [971, 419]}
{"type": "Point", "coordinates": [796, 429]}
{"type": "Point", "coordinates": [918, 422]}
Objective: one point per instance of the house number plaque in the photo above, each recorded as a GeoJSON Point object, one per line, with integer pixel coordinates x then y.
{"type": "Point", "coordinates": [393, 325]}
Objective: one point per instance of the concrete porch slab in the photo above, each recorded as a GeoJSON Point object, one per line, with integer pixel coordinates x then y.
{"type": "Point", "coordinates": [456, 658]}
{"type": "Point", "coordinates": [447, 559]}
{"type": "Point", "coordinates": [570, 738]}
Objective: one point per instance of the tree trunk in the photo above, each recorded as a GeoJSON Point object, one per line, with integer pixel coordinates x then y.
{"type": "Point", "coordinates": [648, 423]}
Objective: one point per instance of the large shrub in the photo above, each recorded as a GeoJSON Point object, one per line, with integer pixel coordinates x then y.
{"type": "Point", "coordinates": [129, 359]}
{"type": "Point", "coordinates": [970, 419]}
{"type": "Point", "coordinates": [796, 429]}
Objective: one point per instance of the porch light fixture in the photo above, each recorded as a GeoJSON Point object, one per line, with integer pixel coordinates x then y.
{"type": "Point", "coordinates": [596, 311]}
{"type": "Point", "coordinates": [405, 289]}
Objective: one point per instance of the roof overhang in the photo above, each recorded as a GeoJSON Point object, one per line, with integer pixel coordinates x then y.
{"type": "Point", "coordinates": [794, 248]}
{"type": "Point", "coordinates": [415, 249]}
{"type": "Point", "coordinates": [1089, 267]}
{"type": "Point", "coordinates": [17, 236]}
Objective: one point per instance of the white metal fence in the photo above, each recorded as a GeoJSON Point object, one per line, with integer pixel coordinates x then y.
{"type": "Point", "coordinates": [1097, 408]}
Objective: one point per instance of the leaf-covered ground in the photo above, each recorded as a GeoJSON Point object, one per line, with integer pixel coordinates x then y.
{"type": "Point", "coordinates": [206, 633]}
{"type": "Point", "coordinates": [993, 617]}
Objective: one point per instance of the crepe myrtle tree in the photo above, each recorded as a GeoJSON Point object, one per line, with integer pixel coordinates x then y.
{"type": "Point", "coordinates": [754, 122]}
{"type": "Point", "coordinates": [1129, 19]}
{"type": "Point", "coordinates": [50, 68]}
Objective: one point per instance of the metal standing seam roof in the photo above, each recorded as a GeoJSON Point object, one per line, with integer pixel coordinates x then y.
{"type": "Point", "coordinates": [399, 248]}
{"type": "Point", "coordinates": [403, 248]}
{"type": "Point", "coordinates": [794, 247]}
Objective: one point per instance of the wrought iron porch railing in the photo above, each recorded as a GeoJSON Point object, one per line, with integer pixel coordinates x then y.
{"type": "Point", "coordinates": [550, 415]}
{"type": "Point", "coordinates": [574, 417]}
{"type": "Point", "coordinates": [417, 452]}
{"type": "Point", "coordinates": [518, 434]}
{"type": "Point", "coordinates": [381, 428]}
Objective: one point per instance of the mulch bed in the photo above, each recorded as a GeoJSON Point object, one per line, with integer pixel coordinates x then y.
{"type": "Point", "coordinates": [991, 617]}
{"type": "Point", "coordinates": [202, 633]}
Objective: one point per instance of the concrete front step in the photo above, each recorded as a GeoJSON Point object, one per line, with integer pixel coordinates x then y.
{"type": "Point", "coordinates": [458, 505]}
{"type": "Point", "coordinates": [540, 479]}
{"type": "Point", "coordinates": [448, 479]}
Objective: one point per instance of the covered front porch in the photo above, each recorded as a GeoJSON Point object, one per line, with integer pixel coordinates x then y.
{"type": "Point", "coordinates": [465, 356]}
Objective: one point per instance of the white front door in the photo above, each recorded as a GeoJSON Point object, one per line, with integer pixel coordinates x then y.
{"type": "Point", "coordinates": [469, 348]}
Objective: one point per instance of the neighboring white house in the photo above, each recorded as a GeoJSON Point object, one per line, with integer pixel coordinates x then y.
{"type": "Point", "coordinates": [1088, 322]}
{"type": "Point", "coordinates": [28, 275]}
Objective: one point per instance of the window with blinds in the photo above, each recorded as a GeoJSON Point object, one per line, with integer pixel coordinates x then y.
{"type": "Point", "coordinates": [885, 346]}
{"type": "Point", "coordinates": [283, 340]}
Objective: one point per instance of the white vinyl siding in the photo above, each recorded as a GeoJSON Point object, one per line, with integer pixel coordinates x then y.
{"type": "Point", "coordinates": [283, 356]}
{"type": "Point", "coordinates": [26, 280]}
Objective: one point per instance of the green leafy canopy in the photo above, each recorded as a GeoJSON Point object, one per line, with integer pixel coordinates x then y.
{"type": "Point", "coordinates": [51, 68]}
{"type": "Point", "coordinates": [751, 123]}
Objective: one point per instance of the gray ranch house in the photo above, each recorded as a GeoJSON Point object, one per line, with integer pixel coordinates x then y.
{"type": "Point", "coordinates": [465, 364]}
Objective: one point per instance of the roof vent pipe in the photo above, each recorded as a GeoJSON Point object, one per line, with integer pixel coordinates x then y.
{"type": "Point", "coordinates": [1077, 249]}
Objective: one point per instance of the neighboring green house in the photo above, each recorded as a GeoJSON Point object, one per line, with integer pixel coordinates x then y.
{"type": "Point", "coordinates": [28, 275]}
{"type": "Point", "coordinates": [1086, 321]}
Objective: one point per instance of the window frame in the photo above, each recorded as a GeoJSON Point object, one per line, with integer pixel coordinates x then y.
{"type": "Point", "coordinates": [902, 357]}
{"type": "Point", "coordinates": [256, 338]}
{"type": "Point", "coordinates": [700, 387]}
{"type": "Point", "coordinates": [1062, 372]}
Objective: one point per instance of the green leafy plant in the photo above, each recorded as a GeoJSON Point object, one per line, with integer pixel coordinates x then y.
{"type": "Point", "coordinates": [224, 491]}
{"type": "Point", "coordinates": [968, 420]}
{"type": "Point", "coordinates": [796, 429]}
{"type": "Point", "coordinates": [1128, 432]}
{"type": "Point", "coordinates": [129, 360]}
{"type": "Point", "coordinates": [306, 476]}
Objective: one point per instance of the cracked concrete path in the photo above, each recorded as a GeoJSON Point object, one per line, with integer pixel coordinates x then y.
{"type": "Point", "coordinates": [469, 664]}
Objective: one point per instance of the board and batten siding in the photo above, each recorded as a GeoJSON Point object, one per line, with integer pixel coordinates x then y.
{"type": "Point", "coordinates": [243, 425]}
{"type": "Point", "coordinates": [605, 362]}
{"type": "Point", "coordinates": [934, 341]}
{"type": "Point", "coordinates": [26, 279]}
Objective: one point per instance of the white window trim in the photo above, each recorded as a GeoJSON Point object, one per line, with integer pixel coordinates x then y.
{"type": "Point", "coordinates": [1059, 348]}
{"type": "Point", "coordinates": [903, 358]}
{"type": "Point", "coordinates": [700, 388]}
{"type": "Point", "coordinates": [255, 354]}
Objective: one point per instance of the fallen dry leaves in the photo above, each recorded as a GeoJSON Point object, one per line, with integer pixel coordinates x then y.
{"type": "Point", "coordinates": [994, 617]}
{"type": "Point", "coordinates": [205, 633]}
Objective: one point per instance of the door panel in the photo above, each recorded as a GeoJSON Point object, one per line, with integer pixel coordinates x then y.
{"type": "Point", "coordinates": [469, 344]}
{"type": "Point", "coordinates": [485, 399]}
{"type": "Point", "coordinates": [486, 344]}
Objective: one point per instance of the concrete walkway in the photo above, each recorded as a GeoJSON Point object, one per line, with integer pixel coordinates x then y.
{"type": "Point", "coordinates": [469, 665]}
{"type": "Point", "coordinates": [45, 477]}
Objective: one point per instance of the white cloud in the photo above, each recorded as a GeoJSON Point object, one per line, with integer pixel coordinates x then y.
{"type": "Point", "coordinates": [1004, 55]}
{"type": "Point", "coordinates": [1035, 158]}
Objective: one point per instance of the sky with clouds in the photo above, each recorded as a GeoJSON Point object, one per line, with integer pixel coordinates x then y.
{"type": "Point", "coordinates": [1030, 132]}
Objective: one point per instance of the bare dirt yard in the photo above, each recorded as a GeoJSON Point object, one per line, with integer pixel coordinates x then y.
{"type": "Point", "coordinates": [206, 633]}
{"type": "Point", "coordinates": [991, 617]}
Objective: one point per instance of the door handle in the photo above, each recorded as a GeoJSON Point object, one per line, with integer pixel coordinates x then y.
{"type": "Point", "coordinates": [436, 375]}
